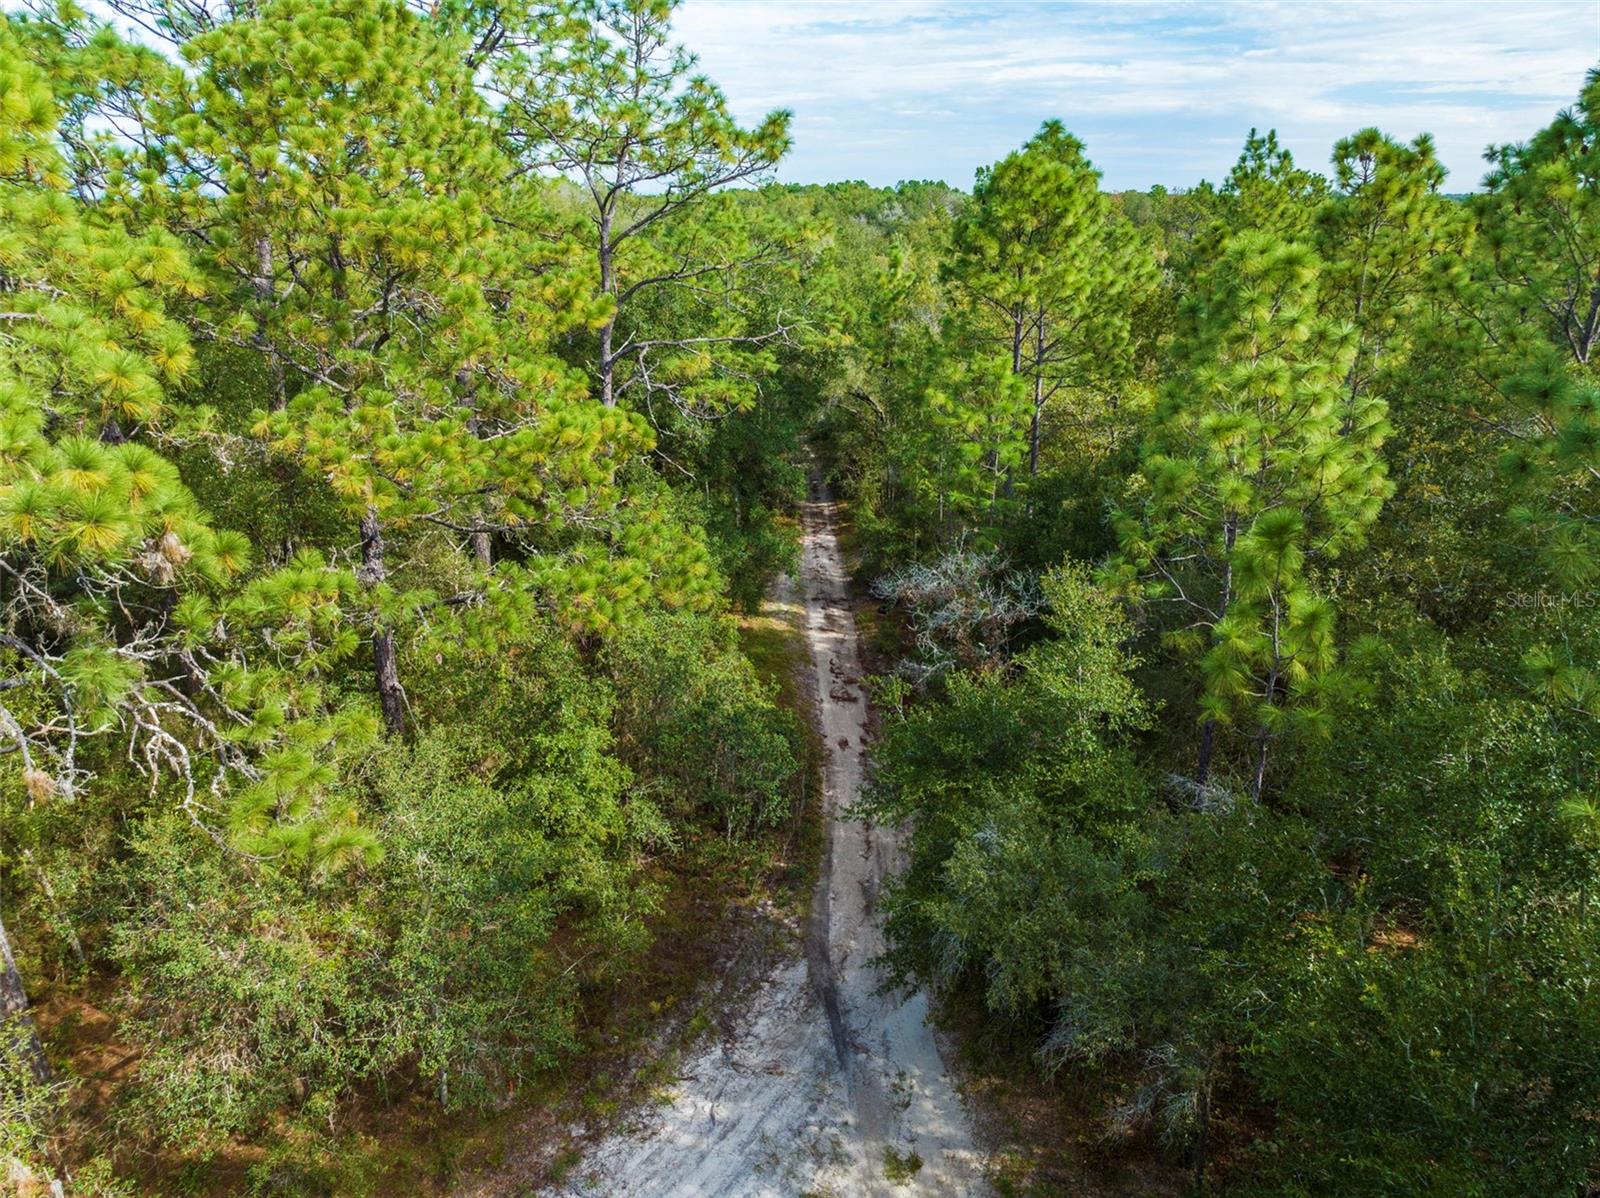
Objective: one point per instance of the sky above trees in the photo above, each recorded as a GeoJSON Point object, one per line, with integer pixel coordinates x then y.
{"type": "Point", "coordinates": [884, 90]}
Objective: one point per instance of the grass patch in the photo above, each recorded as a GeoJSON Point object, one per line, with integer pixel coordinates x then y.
{"type": "Point", "coordinates": [564, 1163]}
{"type": "Point", "coordinates": [900, 1167]}
{"type": "Point", "coordinates": [774, 641]}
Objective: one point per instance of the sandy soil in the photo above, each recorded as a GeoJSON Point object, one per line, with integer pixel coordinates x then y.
{"type": "Point", "coordinates": [823, 1086]}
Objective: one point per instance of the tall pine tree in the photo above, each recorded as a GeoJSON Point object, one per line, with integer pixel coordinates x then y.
{"type": "Point", "coordinates": [1248, 480]}
{"type": "Point", "coordinates": [1050, 272]}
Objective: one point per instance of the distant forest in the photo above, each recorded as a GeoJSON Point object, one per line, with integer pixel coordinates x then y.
{"type": "Point", "coordinates": [402, 410]}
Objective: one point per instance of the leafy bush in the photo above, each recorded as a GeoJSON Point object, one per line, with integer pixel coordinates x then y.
{"type": "Point", "coordinates": [1396, 954]}
{"type": "Point", "coordinates": [507, 865]}
{"type": "Point", "coordinates": [1016, 793]}
{"type": "Point", "coordinates": [1442, 1036]}
{"type": "Point", "coordinates": [965, 606]}
{"type": "Point", "coordinates": [700, 730]}
{"type": "Point", "coordinates": [28, 1105]}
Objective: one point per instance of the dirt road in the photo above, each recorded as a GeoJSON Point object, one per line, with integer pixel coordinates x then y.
{"type": "Point", "coordinates": [822, 1086]}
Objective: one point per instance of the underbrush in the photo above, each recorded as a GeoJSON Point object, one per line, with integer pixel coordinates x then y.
{"type": "Point", "coordinates": [521, 961]}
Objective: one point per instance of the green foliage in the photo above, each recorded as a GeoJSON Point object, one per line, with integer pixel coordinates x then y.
{"type": "Point", "coordinates": [1257, 462]}
{"type": "Point", "coordinates": [457, 956]}
{"type": "Point", "coordinates": [693, 284]}
{"type": "Point", "coordinates": [1455, 987]}
{"type": "Point", "coordinates": [1466, 1081]}
{"type": "Point", "coordinates": [312, 274]}
{"type": "Point", "coordinates": [1373, 975]}
{"type": "Point", "coordinates": [114, 573]}
{"type": "Point", "coordinates": [1400, 961]}
{"type": "Point", "coordinates": [597, 90]}
{"type": "Point", "coordinates": [1529, 316]}
{"type": "Point", "coordinates": [878, 289]}
{"type": "Point", "coordinates": [1049, 272]}
{"type": "Point", "coordinates": [901, 1168]}
{"type": "Point", "coordinates": [1266, 193]}
{"type": "Point", "coordinates": [1393, 246]}
{"type": "Point", "coordinates": [28, 1106]}
{"type": "Point", "coordinates": [466, 316]}
{"type": "Point", "coordinates": [985, 776]}
{"type": "Point", "coordinates": [700, 730]}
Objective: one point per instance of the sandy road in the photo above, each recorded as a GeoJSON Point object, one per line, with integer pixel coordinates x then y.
{"type": "Point", "coordinates": [821, 1086]}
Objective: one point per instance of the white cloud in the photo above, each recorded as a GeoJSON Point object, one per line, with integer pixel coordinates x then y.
{"type": "Point", "coordinates": [886, 72]}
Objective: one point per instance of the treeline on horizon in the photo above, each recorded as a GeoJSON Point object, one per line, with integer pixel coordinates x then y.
{"type": "Point", "coordinates": [397, 404]}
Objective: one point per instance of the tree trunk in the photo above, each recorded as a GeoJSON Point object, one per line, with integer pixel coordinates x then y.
{"type": "Point", "coordinates": [1202, 1137]}
{"type": "Point", "coordinates": [14, 1010]}
{"type": "Point", "coordinates": [391, 697]}
{"type": "Point", "coordinates": [1019, 332]}
{"type": "Point", "coordinates": [1591, 326]}
{"type": "Point", "coordinates": [1208, 746]}
{"type": "Point", "coordinates": [1270, 694]}
{"type": "Point", "coordinates": [608, 286]}
{"type": "Point", "coordinates": [1038, 402]}
{"type": "Point", "coordinates": [265, 298]}
{"type": "Point", "coordinates": [482, 546]}
{"type": "Point", "coordinates": [1208, 730]}
{"type": "Point", "coordinates": [608, 395]}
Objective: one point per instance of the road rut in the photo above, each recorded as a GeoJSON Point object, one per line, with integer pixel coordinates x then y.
{"type": "Point", "coordinates": [823, 1086]}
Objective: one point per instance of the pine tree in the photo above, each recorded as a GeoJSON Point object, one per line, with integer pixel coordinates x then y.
{"type": "Point", "coordinates": [1392, 245]}
{"type": "Point", "coordinates": [362, 231]}
{"type": "Point", "coordinates": [113, 583]}
{"type": "Point", "coordinates": [1051, 272]}
{"type": "Point", "coordinates": [1266, 192]}
{"type": "Point", "coordinates": [1529, 320]}
{"type": "Point", "coordinates": [597, 91]}
{"type": "Point", "coordinates": [969, 439]}
{"type": "Point", "coordinates": [1248, 481]}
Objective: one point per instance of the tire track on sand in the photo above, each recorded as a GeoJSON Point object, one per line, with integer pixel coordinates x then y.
{"type": "Point", "coordinates": [822, 1080]}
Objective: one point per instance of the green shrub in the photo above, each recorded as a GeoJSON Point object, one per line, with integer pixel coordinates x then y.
{"type": "Point", "coordinates": [455, 958]}
{"type": "Point", "coordinates": [701, 731]}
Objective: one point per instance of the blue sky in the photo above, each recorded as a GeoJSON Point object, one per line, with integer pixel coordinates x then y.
{"type": "Point", "coordinates": [884, 90]}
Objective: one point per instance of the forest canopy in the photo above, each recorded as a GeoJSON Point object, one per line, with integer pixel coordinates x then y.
{"type": "Point", "coordinates": [401, 405]}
